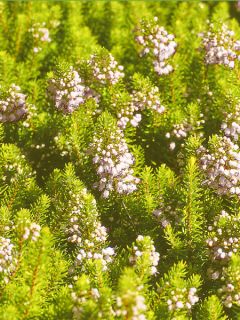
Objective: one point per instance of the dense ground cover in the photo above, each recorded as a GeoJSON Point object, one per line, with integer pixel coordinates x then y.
{"type": "Point", "coordinates": [119, 160]}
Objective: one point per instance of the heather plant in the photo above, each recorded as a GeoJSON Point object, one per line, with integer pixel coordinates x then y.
{"type": "Point", "coordinates": [119, 160]}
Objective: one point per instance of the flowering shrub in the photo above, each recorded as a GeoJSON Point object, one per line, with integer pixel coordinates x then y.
{"type": "Point", "coordinates": [13, 106]}
{"type": "Point", "coordinates": [220, 46]}
{"type": "Point", "coordinates": [68, 92]}
{"type": "Point", "coordinates": [119, 160]}
{"type": "Point", "coordinates": [40, 34]}
{"type": "Point", "coordinates": [158, 43]}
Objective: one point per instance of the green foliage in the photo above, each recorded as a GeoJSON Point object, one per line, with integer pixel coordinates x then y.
{"type": "Point", "coordinates": [212, 309]}
{"type": "Point", "coordinates": [162, 242]}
